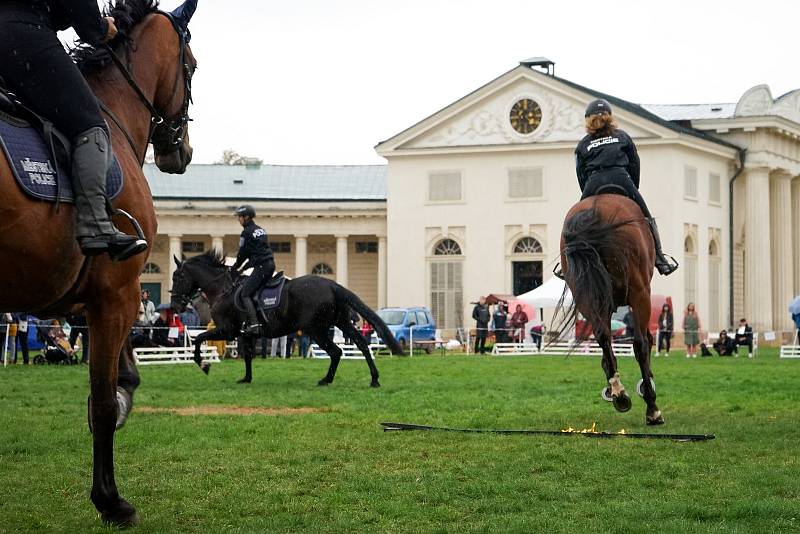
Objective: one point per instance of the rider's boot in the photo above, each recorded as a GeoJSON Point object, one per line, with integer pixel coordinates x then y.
{"type": "Point", "coordinates": [91, 159]}
{"type": "Point", "coordinates": [665, 265]}
{"type": "Point", "coordinates": [252, 325]}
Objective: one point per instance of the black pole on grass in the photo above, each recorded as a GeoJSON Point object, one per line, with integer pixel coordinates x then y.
{"type": "Point", "coordinates": [390, 427]}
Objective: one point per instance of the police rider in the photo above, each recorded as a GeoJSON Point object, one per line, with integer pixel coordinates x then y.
{"type": "Point", "coordinates": [606, 156]}
{"type": "Point", "coordinates": [35, 66]}
{"type": "Point", "coordinates": [253, 248]}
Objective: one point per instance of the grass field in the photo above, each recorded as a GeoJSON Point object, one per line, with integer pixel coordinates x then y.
{"type": "Point", "coordinates": [334, 470]}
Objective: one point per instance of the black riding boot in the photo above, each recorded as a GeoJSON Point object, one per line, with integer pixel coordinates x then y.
{"type": "Point", "coordinates": [252, 324]}
{"type": "Point", "coordinates": [91, 159]}
{"type": "Point", "coordinates": [663, 263]}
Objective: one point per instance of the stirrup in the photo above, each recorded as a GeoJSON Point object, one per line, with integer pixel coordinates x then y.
{"type": "Point", "coordinates": [669, 266]}
{"type": "Point", "coordinates": [253, 329]}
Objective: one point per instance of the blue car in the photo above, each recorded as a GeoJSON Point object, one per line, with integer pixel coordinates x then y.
{"type": "Point", "coordinates": [401, 321]}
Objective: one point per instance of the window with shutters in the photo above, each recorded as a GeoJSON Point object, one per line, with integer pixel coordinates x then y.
{"type": "Point", "coordinates": [445, 186]}
{"type": "Point", "coordinates": [446, 284]}
{"type": "Point", "coordinates": [526, 183]}
{"type": "Point", "coordinates": [714, 188]}
{"type": "Point", "coordinates": [690, 182]}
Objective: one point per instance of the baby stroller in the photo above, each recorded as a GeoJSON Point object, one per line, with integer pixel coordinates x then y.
{"type": "Point", "coordinates": [57, 349]}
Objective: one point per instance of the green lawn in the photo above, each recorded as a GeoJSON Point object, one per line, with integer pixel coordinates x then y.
{"type": "Point", "coordinates": [336, 471]}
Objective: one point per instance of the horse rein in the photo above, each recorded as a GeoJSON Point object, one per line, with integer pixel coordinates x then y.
{"type": "Point", "coordinates": [176, 126]}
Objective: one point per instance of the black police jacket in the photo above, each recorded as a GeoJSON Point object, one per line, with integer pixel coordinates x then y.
{"type": "Point", "coordinates": [253, 246]}
{"type": "Point", "coordinates": [82, 15]}
{"type": "Point", "coordinates": [599, 153]}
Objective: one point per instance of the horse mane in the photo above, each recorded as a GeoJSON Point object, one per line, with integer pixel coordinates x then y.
{"type": "Point", "coordinates": [211, 259]}
{"type": "Point", "coordinates": [127, 14]}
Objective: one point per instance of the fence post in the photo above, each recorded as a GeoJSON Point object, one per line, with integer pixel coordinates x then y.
{"type": "Point", "coordinates": [5, 346]}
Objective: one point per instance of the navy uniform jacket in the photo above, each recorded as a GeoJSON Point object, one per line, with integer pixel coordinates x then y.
{"type": "Point", "coordinates": [253, 246]}
{"type": "Point", "coordinates": [594, 154]}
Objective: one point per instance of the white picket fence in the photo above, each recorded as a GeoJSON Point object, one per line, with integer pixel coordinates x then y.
{"type": "Point", "coordinates": [173, 355]}
{"type": "Point", "coordinates": [349, 352]}
{"type": "Point", "coordinates": [561, 348]}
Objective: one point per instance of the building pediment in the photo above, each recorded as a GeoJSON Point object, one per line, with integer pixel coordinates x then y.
{"type": "Point", "coordinates": [758, 102]}
{"type": "Point", "coordinates": [483, 118]}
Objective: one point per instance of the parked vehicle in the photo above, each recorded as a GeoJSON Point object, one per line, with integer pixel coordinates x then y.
{"type": "Point", "coordinates": [401, 322]}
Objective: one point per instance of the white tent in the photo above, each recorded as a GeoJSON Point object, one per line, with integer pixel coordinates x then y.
{"type": "Point", "coordinates": [547, 295]}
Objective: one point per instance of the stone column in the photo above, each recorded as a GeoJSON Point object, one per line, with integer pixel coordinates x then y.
{"type": "Point", "coordinates": [796, 232]}
{"type": "Point", "coordinates": [175, 251]}
{"type": "Point", "coordinates": [781, 253]}
{"type": "Point", "coordinates": [382, 271]}
{"type": "Point", "coordinates": [757, 271]}
{"type": "Point", "coordinates": [218, 242]}
{"type": "Point", "coordinates": [341, 260]}
{"type": "Point", "coordinates": [300, 255]}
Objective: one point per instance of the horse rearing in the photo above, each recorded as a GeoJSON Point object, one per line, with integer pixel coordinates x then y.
{"type": "Point", "coordinates": [607, 256]}
{"type": "Point", "coordinates": [309, 303]}
{"type": "Point", "coordinates": [50, 277]}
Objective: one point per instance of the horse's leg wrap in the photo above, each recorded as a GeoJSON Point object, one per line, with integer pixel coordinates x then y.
{"type": "Point", "coordinates": [615, 383]}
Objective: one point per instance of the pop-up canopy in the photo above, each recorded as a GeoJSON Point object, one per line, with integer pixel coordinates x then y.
{"type": "Point", "coordinates": [547, 295]}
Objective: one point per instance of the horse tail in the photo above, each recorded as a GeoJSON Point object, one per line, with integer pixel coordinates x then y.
{"type": "Point", "coordinates": [588, 241]}
{"type": "Point", "coordinates": [370, 316]}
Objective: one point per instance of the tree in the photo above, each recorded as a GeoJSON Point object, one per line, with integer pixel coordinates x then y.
{"type": "Point", "coordinates": [231, 157]}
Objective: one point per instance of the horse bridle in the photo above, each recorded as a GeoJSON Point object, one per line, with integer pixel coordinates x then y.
{"type": "Point", "coordinates": [166, 135]}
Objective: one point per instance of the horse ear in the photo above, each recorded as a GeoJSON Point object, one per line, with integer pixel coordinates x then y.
{"type": "Point", "coordinates": [177, 261]}
{"type": "Point", "coordinates": [183, 14]}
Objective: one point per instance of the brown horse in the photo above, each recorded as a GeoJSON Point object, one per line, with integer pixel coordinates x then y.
{"type": "Point", "coordinates": [43, 267]}
{"type": "Point", "coordinates": [607, 256]}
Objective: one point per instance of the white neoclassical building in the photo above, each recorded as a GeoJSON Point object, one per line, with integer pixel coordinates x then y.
{"type": "Point", "coordinates": [473, 198]}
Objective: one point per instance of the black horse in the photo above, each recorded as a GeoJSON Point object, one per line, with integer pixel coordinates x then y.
{"type": "Point", "coordinates": [309, 303]}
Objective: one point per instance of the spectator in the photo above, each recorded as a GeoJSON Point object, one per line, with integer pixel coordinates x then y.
{"type": "Point", "coordinates": [190, 318]}
{"type": "Point", "coordinates": [537, 332]}
{"type": "Point", "coordinates": [666, 324]}
{"type": "Point", "coordinates": [305, 342]}
{"type": "Point", "coordinates": [744, 337]}
{"type": "Point", "coordinates": [481, 315]}
{"type": "Point", "coordinates": [725, 346]}
{"type": "Point", "coordinates": [150, 314]}
{"type": "Point", "coordinates": [518, 321]}
{"type": "Point", "coordinates": [278, 347]}
{"type": "Point", "coordinates": [79, 328]}
{"type": "Point", "coordinates": [22, 336]}
{"type": "Point", "coordinates": [168, 328]}
{"type": "Point", "coordinates": [366, 331]}
{"type": "Point", "coordinates": [691, 330]}
{"type": "Point", "coordinates": [499, 319]}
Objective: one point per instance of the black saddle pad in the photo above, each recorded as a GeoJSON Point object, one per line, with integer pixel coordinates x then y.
{"type": "Point", "coordinates": [33, 167]}
{"type": "Point", "coordinates": [268, 297]}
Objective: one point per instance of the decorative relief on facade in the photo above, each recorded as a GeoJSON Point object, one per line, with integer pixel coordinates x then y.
{"type": "Point", "coordinates": [514, 233]}
{"type": "Point", "coordinates": [758, 102]}
{"type": "Point", "coordinates": [435, 234]}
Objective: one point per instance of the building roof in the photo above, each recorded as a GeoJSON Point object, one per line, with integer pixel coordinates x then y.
{"type": "Point", "coordinates": [691, 112]}
{"type": "Point", "coordinates": [271, 182]}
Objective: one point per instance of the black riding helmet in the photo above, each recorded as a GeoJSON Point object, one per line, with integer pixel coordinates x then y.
{"type": "Point", "coordinates": [597, 107]}
{"type": "Point", "coordinates": [245, 211]}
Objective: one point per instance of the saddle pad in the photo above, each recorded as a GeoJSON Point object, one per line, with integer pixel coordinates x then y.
{"type": "Point", "coordinates": [31, 161]}
{"type": "Point", "coordinates": [270, 297]}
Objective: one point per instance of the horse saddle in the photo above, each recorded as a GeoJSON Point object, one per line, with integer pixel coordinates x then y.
{"type": "Point", "coordinates": [39, 155]}
{"type": "Point", "coordinates": [611, 189]}
{"type": "Point", "coordinates": [267, 297]}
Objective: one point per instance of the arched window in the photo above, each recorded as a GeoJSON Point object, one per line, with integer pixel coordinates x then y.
{"type": "Point", "coordinates": [688, 245]}
{"type": "Point", "coordinates": [151, 268]}
{"type": "Point", "coordinates": [528, 245]}
{"type": "Point", "coordinates": [713, 248]}
{"type": "Point", "coordinates": [447, 247]}
{"type": "Point", "coordinates": [322, 268]}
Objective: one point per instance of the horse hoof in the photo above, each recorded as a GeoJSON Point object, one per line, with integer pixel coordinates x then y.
{"type": "Point", "coordinates": [640, 389]}
{"type": "Point", "coordinates": [244, 381]}
{"type": "Point", "coordinates": [622, 403]}
{"type": "Point", "coordinates": [656, 419]}
{"type": "Point", "coordinates": [605, 394]}
{"type": "Point", "coordinates": [206, 367]}
{"type": "Point", "coordinates": [124, 405]}
{"type": "Point", "coordinates": [375, 384]}
{"type": "Point", "coordinates": [123, 515]}
{"type": "Point", "coordinates": [323, 382]}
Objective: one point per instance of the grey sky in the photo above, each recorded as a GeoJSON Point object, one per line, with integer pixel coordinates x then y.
{"type": "Point", "coordinates": [321, 81]}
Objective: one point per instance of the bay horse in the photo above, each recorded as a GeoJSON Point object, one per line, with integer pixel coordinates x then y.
{"type": "Point", "coordinates": [145, 100]}
{"type": "Point", "coordinates": [607, 257]}
{"type": "Point", "coordinates": [309, 303]}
